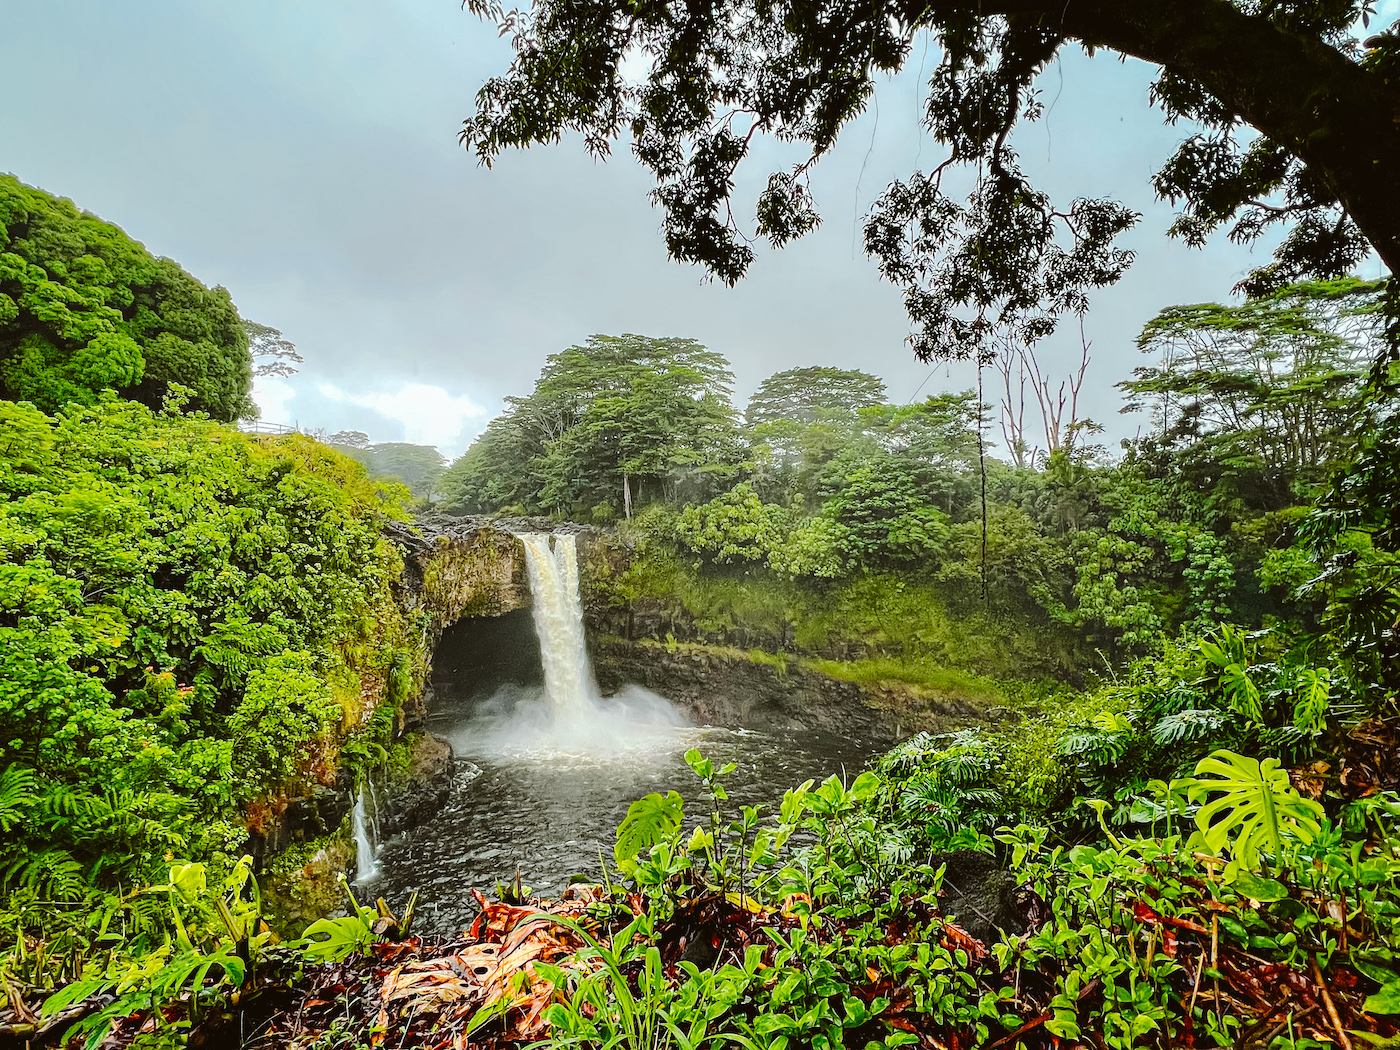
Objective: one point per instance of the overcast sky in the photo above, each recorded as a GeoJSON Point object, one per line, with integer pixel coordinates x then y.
{"type": "Point", "coordinates": [305, 156]}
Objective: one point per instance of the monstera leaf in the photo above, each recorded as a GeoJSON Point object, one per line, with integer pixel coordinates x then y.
{"type": "Point", "coordinates": [651, 819]}
{"type": "Point", "coordinates": [1254, 807]}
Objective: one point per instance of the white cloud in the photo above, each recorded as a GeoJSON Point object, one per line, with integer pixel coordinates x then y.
{"type": "Point", "coordinates": [272, 396]}
{"type": "Point", "coordinates": [429, 415]}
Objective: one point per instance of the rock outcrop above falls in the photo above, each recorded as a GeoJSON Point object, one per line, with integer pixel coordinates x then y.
{"type": "Point", "coordinates": [456, 567]}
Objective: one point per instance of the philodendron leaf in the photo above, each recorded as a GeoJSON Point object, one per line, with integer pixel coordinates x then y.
{"type": "Point", "coordinates": [1254, 806]}
{"type": "Point", "coordinates": [335, 940]}
{"type": "Point", "coordinates": [187, 880]}
{"type": "Point", "coordinates": [651, 819]}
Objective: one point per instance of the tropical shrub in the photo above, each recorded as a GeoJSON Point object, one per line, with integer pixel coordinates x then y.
{"type": "Point", "coordinates": [184, 615]}
{"type": "Point", "coordinates": [84, 308]}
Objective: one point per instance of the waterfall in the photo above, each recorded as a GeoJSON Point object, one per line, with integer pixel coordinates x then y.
{"type": "Point", "coordinates": [365, 823]}
{"type": "Point", "coordinates": [568, 680]}
{"type": "Point", "coordinates": [570, 716]}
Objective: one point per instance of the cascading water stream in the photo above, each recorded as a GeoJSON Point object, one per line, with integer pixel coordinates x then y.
{"type": "Point", "coordinates": [568, 679]}
{"type": "Point", "coordinates": [366, 832]}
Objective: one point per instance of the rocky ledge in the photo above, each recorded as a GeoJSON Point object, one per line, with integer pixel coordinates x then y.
{"type": "Point", "coordinates": [760, 691]}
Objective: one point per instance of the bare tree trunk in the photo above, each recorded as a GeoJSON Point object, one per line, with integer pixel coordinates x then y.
{"type": "Point", "coordinates": [626, 496]}
{"type": "Point", "coordinates": [1059, 409]}
{"type": "Point", "coordinates": [1013, 406]}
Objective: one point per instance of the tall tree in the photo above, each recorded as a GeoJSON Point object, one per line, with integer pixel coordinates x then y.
{"type": "Point", "coordinates": [808, 394]}
{"type": "Point", "coordinates": [1276, 380]}
{"type": "Point", "coordinates": [273, 353]}
{"type": "Point", "coordinates": [1007, 257]}
{"type": "Point", "coordinates": [418, 467]}
{"type": "Point", "coordinates": [84, 308]}
{"type": "Point", "coordinates": [618, 419]}
{"type": "Point", "coordinates": [801, 417]}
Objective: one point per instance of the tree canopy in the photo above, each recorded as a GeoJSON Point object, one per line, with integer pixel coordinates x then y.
{"type": "Point", "coordinates": [418, 466]}
{"type": "Point", "coordinates": [1007, 257]}
{"type": "Point", "coordinates": [1271, 387]}
{"type": "Point", "coordinates": [609, 421]}
{"type": "Point", "coordinates": [805, 394]}
{"type": "Point", "coordinates": [182, 607]}
{"type": "Point", "coordinates": [84, 308]}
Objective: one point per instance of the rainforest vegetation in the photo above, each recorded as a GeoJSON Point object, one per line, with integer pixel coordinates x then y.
{"type": "Point", "coordinates": [195, 623]}
{"type": "Point", "coordinates": [1186, 836]}
{"type": "Point", "coordinates": [1193, 801]}
{"type": "Point", "coordinates": [84, 308]}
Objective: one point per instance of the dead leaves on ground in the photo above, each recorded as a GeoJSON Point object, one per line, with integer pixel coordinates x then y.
{"type": "Point", "coordinates": [412, 995]}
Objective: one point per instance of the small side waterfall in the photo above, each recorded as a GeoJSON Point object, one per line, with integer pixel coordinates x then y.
{"type": "Point", "coordinates": [365, 824]}
{"type": "Point", "coordinates": [568, 679]}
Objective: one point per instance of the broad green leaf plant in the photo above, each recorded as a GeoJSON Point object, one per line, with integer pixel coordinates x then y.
{"type": "Point", "coordinates": [1254, 809]}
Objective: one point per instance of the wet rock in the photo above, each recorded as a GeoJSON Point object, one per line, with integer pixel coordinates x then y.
{"type": "Point", "coordinates": [308, 817]}
{"type": "Point", "coordinates": [980, 896]}
{"type": "Point", "coordinates": [732, 688]}
{"type": "Point", "coordinates": [426, 788]}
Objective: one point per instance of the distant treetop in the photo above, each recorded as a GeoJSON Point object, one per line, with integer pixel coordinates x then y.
{"type": "Point", "coordinates": [804, 394]}
{"type": "Point", "coordinates": [84, 308]}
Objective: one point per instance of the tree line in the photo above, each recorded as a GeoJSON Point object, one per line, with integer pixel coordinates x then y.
{"type": "Point", "coordinates": [822, 478]}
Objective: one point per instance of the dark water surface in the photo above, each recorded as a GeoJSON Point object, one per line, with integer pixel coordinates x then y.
{"type": "Point", "coordinates": [546, 792]}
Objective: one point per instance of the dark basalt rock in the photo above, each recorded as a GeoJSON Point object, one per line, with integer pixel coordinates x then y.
{"type": "Point", "coordinates": [717, 688]}
{"type": "Point", "coordinates": [981, 897]}
{"type": "Point", "coordinates": [728, 688]}
{"type": "Point", "coordinates": [425, 790]}
{"type": "Point", "coordinates": [308, 817]}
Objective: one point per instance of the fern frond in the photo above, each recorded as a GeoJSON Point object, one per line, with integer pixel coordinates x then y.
{"type": "Point", "coordinates": [1193, 724]}
{"type": "Point", "coordinates": [52, 873]}
{"type": "Point", "coordinates": [18, 794]}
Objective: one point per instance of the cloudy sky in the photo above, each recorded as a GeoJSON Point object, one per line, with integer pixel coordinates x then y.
{"type": "Point", "coordinates": [305, 157]}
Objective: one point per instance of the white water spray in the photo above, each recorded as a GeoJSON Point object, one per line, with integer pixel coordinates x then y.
{"type": "Point", "coordinates": [568, 679]}
{"type": "Point", "coordinates": [365, 823]}
{"type": "Point", "coordinates": [571, 720]}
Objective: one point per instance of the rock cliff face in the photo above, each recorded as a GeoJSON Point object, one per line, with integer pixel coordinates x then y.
{"type": "Point", "coordinates": [455, 568]}
{"type": "Point", "coordinates": [745, 677]}
{"type": "Point", "coordinates": [731, 687]}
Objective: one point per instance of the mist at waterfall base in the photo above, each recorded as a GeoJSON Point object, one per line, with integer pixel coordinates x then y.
{"type": "Point", "coordinates": [545, 774]}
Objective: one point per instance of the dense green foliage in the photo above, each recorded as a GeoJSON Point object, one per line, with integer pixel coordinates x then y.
{"type": "Point", "coordinates": [827, 494]}
{"type": "Point", "coordinates": [1238, 908]}
{"type": "Point", "coordinates": [84, 308]}
{"type": "Point", "coordinates": [191, 621]}
{"type": "Point", "coordinates": [1202, 853]}
{"type": "Point", "coordinates": [417, 467]}
{"type": "Point", "coordinates": [619, 419]}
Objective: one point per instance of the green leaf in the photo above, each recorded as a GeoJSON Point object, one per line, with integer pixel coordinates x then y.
{"type": "Point", "coordinates": [651, 819]}
{"type": "Point", "coordinates": [1255, 888]}
{"type": "Point", "coordinates": [1255, 806]}
{"type": "Point", "coordinates": [188, 880]}
{"type": "Point", "coordinates": [1386, 1001]}
{"type": "Point", "coordinates": [865, 786]}
{"type": "Point", "coordinates": [699, 764]}
{"type": "Point", "coordinates": [335, 940]}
